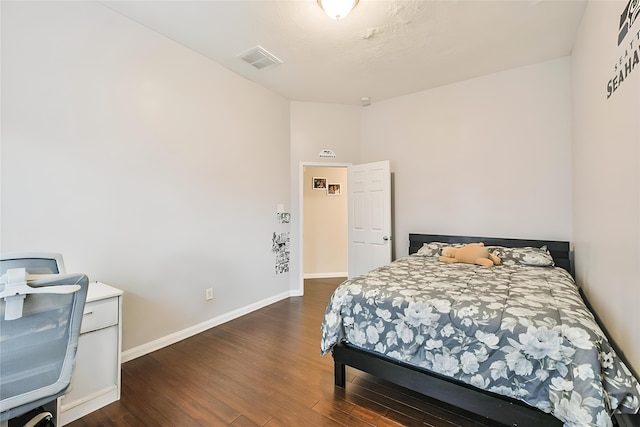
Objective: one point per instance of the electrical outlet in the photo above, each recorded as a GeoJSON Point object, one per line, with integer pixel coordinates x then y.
{"type": "Point", "coordinates": [208, 294]}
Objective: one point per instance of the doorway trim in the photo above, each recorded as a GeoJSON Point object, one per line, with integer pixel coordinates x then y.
{"type": "Point", "coordinates": [301, 184]}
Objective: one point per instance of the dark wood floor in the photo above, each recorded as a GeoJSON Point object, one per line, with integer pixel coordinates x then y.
{"type": "Point", "coordinates": [263, 369]}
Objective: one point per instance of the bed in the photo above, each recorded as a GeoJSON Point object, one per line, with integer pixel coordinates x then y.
{"type": "Point", "coordinates": [515, 344]}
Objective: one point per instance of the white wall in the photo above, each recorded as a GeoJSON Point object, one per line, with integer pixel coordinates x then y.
{"type": "Point", "coordinates": [326, 242]}
{"type": "Point", "coordinates": [314, 127]}
{"type": "Point", "coordinates": [148, 166]}
{"type": "Point", "coordinates": [142, 149]}
{"type": "Point", "coordinates": [606, 159]}
{"type": "Point", "coordinates": [489, 156]}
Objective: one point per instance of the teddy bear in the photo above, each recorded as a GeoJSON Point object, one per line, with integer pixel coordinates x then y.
{"type": "Point", "coordinates": [473, 253]}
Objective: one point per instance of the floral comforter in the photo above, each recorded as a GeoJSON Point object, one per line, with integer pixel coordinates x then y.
{"type": "Point", "coordinates": [516, 330]}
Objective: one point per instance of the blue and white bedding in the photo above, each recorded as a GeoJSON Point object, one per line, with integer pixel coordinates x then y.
{"type": "Point", "coordinates": [517, 330]}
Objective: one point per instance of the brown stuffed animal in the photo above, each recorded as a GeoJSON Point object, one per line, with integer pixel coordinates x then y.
{"type": "Point", "coordinates": [473, 253]}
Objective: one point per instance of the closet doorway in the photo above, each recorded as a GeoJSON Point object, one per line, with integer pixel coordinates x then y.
{"type": "Point", "coordinates": [325, 240]}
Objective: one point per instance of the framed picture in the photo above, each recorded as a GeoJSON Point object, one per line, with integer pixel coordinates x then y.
{"type": "Point", "coordinates": [334, 189]}
{"type": "Point", "coordinates": [319, 183]}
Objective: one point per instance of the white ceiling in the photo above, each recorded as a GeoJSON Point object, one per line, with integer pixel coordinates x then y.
{"type": "Point", "coordinates": [383, 49]}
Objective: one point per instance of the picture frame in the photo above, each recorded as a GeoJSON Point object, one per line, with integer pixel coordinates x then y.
{"type": "Point", "coordinates": [334, 189]}
{"type": "Point", "coordinates": [319, 183]}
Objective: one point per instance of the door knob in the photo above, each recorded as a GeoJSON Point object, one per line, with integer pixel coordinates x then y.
{"type": "Point", "coordinates": [385, 238]}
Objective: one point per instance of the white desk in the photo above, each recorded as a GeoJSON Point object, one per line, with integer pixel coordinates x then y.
{"type": "Point", "coordinates": [96, 376]}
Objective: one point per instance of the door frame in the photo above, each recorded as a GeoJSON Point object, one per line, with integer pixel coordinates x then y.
{"type": "Point", "coordinates": [301, 187]}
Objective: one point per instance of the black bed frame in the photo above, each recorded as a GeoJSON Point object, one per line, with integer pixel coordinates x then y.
{"type": "Point", "coordinates": [485, 406]}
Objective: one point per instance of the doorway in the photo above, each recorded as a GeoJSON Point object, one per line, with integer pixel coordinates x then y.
{"type": "Point", "coordinates": [324, 221]}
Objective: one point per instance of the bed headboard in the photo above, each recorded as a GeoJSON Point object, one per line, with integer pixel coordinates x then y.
{"type": "Point", "coordinates": [560, 251]}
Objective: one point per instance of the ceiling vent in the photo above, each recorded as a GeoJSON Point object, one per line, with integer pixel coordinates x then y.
{"type": "Point", "coordinates": [259, 58]}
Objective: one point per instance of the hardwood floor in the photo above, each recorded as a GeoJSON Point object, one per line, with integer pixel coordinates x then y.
{"type": "Point", "coordinates": [237, 374]}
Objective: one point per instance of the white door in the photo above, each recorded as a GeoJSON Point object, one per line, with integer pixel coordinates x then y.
{"type": "Point", "coordinates": [369, 188]}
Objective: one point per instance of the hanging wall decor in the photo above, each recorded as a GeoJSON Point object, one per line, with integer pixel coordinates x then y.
{"type": "Point", "coordinates": [281, 247]}
{"type": "Point", "coordinates": [334, 189]}
{"type": "Point", "coordinates": [319, 183]}
{"type": "Point", "coordinates": [283, 217]}
{"type": "Point", "coordinates": [627, 58]}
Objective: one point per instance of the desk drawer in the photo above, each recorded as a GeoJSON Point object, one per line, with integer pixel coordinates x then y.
{"type": "Point", "coordinates": [99, 314]}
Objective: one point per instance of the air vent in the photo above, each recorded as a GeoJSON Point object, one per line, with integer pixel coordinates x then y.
{"type": "Point", "coordinates": [259, 58]}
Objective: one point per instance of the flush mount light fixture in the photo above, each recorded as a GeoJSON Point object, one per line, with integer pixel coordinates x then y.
{"type": "Point", "coordinates": [337, 9]}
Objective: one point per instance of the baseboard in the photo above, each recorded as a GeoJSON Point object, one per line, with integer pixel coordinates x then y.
{"type": "Point", "coordinates": [149, 347]}
{"type": "Point", "coordinates": [324, 275]}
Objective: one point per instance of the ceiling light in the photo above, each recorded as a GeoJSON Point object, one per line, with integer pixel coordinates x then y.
{"type": "Point", "coordinates": [337, 9]}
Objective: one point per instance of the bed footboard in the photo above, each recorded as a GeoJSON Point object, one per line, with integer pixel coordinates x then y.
{"type": "Point", "coordinates": [482, 404]}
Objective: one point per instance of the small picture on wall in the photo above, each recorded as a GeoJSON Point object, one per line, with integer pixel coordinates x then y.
{"type": "Point", "coordinates": [334, 189]}
{"type": "Point", "coordinates": [283, 217]}
{"type": "Point", "coordinates": [319, 183]}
